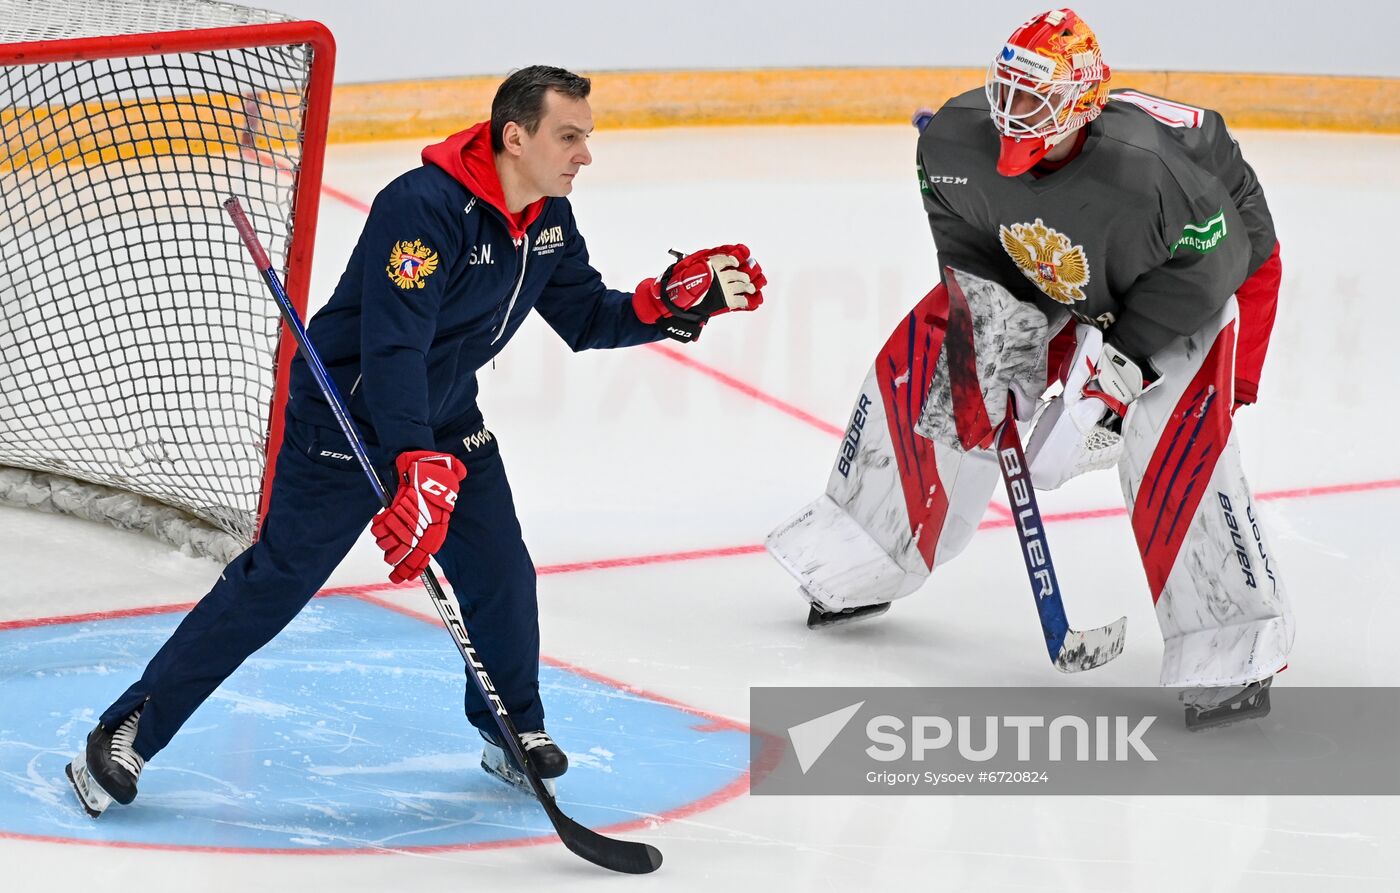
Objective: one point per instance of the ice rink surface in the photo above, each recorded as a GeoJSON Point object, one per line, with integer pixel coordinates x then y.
{"type": "Point", "coordinates": [647, 478]}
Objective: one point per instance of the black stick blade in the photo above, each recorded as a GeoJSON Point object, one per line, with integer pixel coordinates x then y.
{"type": "Point", "coordinates": [626, 856]}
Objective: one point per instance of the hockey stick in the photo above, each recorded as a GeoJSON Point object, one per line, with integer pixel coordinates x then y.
{"type": "Point", "coordinates": [619, 855]}
{"type": "Point", "coordinates": [1070, 650]}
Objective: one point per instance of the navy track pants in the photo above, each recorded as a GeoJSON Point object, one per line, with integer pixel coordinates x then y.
{"type": "Point", "coordinates": [319, 506]}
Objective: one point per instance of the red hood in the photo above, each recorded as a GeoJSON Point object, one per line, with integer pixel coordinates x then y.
{"type": "Point", "coordinates": [467, 156]}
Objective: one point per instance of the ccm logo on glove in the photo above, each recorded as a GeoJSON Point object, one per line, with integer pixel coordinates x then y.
{"type": "Point", "coordinates": [437, 488]}
{"type": "Point", "coordinates": [414, 526]}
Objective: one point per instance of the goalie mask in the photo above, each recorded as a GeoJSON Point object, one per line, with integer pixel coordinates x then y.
{"type": "Point", "coordinates": [1047, 81]}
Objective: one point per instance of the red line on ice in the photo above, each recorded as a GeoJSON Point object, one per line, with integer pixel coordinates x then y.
{"type": "Point", "coordinates": [747, 390]}
{"type": "Point", "coordinates": [692, 555]}
{"type": "Point", "coordinates": [1267, 496]}
{"type": "Point", "coordinates": [344, 198]}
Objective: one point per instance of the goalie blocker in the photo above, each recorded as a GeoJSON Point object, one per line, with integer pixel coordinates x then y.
{"type": "Point", "coordinates": [904, 496]}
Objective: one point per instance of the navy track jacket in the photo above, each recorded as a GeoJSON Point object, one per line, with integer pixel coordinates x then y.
{"type": "Point", "coordinates": [439, 281]}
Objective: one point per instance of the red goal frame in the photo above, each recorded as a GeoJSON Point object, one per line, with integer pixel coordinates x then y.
{"type": "Point", "coordinates": [307, 192]}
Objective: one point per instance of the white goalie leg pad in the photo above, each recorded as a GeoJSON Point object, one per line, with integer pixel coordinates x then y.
{"type": "Point", "coordinates": [1215, 581]}
{"type": "Point", "coordinates": [1067, 440]}
{"type": "Point", "coordinates": [839, 562]}
{"type": "Point", "coordinates": [863, 542]}
{"type": "Point", "coordinates": [1224, 614]}
{"type": "Point", "coordinates": [899, 502]}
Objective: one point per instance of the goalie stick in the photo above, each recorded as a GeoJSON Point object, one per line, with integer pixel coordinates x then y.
{"type": "Point", "coordinates": [1070, 650]}
{"type": "Point", "coordinates": [619, 855]}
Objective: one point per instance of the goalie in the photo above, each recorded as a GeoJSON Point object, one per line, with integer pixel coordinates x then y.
{"type": "Point", "coordinates": [1120, 247]}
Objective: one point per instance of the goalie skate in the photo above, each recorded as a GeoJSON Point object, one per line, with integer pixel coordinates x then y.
{"type": "Point", "coordinates": [820, 618]}
{"type": "Point", "coordinates": [1214, 708]}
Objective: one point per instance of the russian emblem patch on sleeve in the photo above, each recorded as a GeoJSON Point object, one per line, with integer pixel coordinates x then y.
{"type": "Point", "coordinates": [410, 263]}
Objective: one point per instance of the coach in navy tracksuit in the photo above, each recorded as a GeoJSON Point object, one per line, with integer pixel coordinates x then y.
{"type": "Point", "coordinates": [455, 254]}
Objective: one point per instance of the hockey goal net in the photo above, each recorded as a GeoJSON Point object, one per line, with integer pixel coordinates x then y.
{"type": "Point", "coordinates": [139, 352]}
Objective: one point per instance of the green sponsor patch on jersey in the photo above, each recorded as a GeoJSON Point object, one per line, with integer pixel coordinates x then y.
{"type": "Point", "coordinates": [1202, 237]}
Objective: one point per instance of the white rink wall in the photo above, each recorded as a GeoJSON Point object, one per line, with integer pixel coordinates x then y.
{"type": "Point", "coordinates": [448, 38]}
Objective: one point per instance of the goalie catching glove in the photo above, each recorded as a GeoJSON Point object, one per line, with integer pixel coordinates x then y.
{"type": "Point", "coordinates": [1081, 430]}
{"type": "Point", "coordinates": [414, 526]}
{"type": "Point", "coordinates": [698, 286]}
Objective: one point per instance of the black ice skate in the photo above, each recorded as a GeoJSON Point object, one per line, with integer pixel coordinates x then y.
{"type": "Point", "coordinates": [1213, 708]}
{"type": "Point", "coordinates": [549, 761]}
{"type": "Point", "coordinates": [820, 616]}
{"type": "Point", "coordinates": [108, 768]}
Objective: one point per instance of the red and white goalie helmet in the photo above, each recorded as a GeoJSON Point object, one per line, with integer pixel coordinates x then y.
{"type": "Point", "coordinates": [1047, 81]}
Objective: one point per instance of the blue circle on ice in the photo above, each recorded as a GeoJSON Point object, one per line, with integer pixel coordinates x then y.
{"type": "Point", "coordinates": [346, 732]}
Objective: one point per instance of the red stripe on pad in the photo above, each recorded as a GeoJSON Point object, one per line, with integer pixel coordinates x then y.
{"type": "Point", "coordinates": [909, 356]}
{"type": "Point", "coordinates": [1183, 462]}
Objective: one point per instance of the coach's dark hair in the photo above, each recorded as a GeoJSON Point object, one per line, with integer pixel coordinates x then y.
{"type": "Point", "coordinates": [520, 98]}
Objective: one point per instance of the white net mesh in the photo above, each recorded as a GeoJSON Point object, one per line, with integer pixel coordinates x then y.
{"type": "Point", "coordinates": [22, 21]}
{"type": "Point", "coordinates": [137, 342]}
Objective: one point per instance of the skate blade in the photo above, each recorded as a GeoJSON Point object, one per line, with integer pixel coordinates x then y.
{"type": "Point", "coordinates": [1256, 707]}
{"type": "Point", "coordinates": [94, 800]}
{"type": "Point", "coordinates": [506, 773]}
{"type": "Point", "coordinates": [818, 619]}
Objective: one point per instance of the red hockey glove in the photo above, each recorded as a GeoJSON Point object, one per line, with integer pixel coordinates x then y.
{"type": "Point", "coordinates": [414, 525]}
{"type": "Point", "coordinates": [698, 286]}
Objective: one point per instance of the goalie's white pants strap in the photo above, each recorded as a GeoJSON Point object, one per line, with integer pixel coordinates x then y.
{"type": "Point", "coordinates": [1214, 578]}
{"type": "Point", "coordinates": [903, 496]}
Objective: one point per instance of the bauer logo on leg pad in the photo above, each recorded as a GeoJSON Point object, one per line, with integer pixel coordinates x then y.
{"type": "Point", "coordinates": [852, 439]}
{"type": "Point", "coordinates": [1259, 543]}
{"type": "Point", "coordinates": [1240, 553]}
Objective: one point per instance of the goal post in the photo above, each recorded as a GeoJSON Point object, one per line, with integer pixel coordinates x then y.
{"type": "Point", "coordinates": [139, 354]}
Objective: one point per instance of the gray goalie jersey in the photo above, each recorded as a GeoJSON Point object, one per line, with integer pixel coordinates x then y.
{"type": "Point", "coordinates": [1146, 233]}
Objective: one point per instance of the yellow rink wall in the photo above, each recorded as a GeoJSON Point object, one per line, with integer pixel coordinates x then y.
{"type": "Point", "coordinates": [96, 133]}
{"type": "Point", "coordinates": [404, 110]}
{"type": "Point", "coordinates": [120, 130]}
